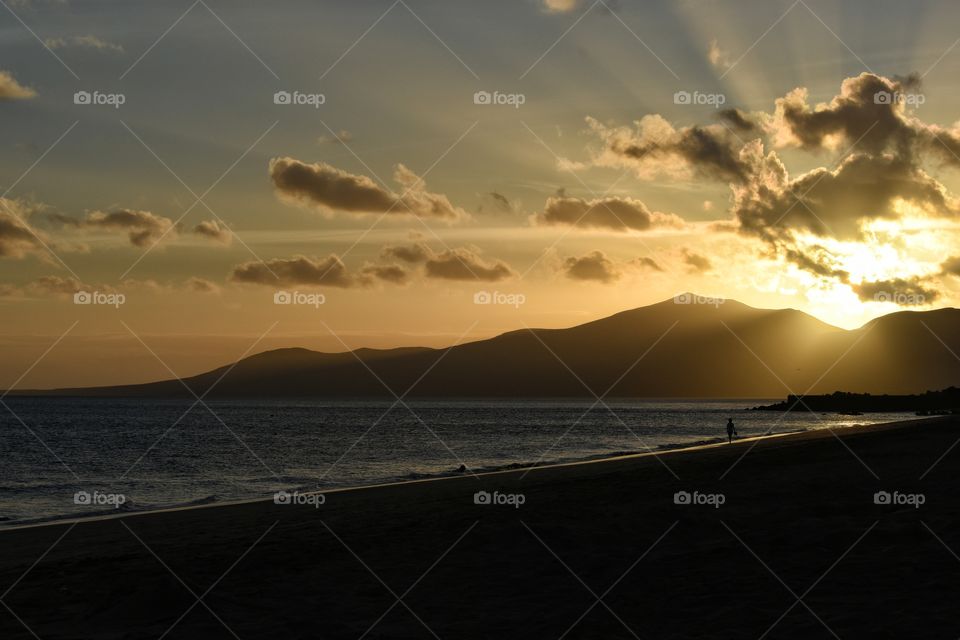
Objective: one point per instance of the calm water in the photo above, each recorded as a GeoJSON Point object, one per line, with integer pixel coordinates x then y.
{"type": "Point", "coordinates": [158, 453]}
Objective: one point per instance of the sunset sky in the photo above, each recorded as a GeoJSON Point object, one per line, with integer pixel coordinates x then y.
{"type": "Point", "coordinates": [786, 153]}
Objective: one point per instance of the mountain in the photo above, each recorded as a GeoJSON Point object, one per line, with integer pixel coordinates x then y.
{"type": "Point", "coordinates": [662, 350]}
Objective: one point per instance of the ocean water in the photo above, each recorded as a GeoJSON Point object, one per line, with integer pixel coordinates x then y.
{"type": "Point", "coordinates": [135, 454]}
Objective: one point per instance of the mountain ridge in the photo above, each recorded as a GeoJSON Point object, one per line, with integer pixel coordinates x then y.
{"type": "Point", "coordinates": [667, 349]}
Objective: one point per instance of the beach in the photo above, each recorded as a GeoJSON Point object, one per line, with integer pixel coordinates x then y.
{"type": "Point", "coordinates": [845, 533]}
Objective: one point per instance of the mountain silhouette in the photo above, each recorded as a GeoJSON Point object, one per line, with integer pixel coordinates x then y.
{"type": "Point", "coordinates": [665, 350]}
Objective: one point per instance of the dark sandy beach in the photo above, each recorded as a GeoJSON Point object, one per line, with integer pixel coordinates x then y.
{"type": "Point", "coordinates": [797, 549]}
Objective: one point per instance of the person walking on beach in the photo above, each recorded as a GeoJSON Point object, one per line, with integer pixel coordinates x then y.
{"type": "Point", "coordinates": [731, 430]}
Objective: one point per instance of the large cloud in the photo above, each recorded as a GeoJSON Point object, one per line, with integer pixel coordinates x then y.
{"type": "Point", "coordinates": [836, 203]}
{"type": "Point", "coordinates": [330, 189]}
{"type": "Point", "coordinates": [10, 89]}
{"type": "Point", "coordinates": [616, 214]}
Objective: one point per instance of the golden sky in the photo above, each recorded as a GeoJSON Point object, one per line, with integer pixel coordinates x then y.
{"type": "Point", "coordinates": [183, 184]}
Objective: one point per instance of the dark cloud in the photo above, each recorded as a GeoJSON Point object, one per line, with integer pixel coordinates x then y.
{"type": "Point", "coordinates": [648, 263]}
{"type": "Point", "coordinates": [616, 214]}
{"type": "Point", "coordinates": [655, 146]}
{"type": "Point", "coordinates": [951, 266]}
{"type": "Point", "coordinates": [330, 189]}
{"type": "Point", "coordinates": [464, 264]}
{"type": "Point", "coordinates": [906, 292]}
{"type": "Point", "coordinates": [595, 266]}
{"type": "Point", "coordinates": [313, 271]}
{"type": "Point", "coordinates": [739, 120]}
{"type": "Point", "coordinates": [835, 203]}
{"type": "Point", "coordinates": [213, 230]}
{"type": "Point", "coordinates": [17, 237]}
{"type": "Point", "coordinates": [297, 271]}
{"type": "Point", "coordinates": [695, 262]}
{"type": "Point", "coordinates": [142, 227]}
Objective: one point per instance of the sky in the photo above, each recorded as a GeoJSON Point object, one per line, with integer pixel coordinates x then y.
{"type": "Point", "coordinates": [186, 183]}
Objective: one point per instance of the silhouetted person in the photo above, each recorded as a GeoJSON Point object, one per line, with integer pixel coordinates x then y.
{"type": "Point", "coordinates": [731, 430]}
{"type": "Point", "coordinates": [463, 468]}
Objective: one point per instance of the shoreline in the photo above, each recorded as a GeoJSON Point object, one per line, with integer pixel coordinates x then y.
{"type": "Point", "coordinates": [514, 468]}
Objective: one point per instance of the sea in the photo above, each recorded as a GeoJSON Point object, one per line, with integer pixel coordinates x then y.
{"type": "Point", "coordinates": [79, 457]}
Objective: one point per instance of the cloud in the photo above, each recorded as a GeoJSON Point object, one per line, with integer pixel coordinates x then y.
{"type": "Point", "coordinates": [616, 214]}
{"type": "Point", "coordinates": [496, 201]}
{"type": "Point", "coordinates": [695, 262]}
{"type": "Point", "coordinates": [212, 230]}
{"type": "Point", "coordinates": [464, 264]}
{"type": "Point", "coordinates": [10, 89]}
{"type": "Point", "coordinates": [594, 266]}
{"type": "Point", "coordinates": [836, 203]}
{"type": "Point", "coordinates": [413, 253]}
{"type": "Point", "coordinates": [906, 292]}
{"type": "Point", "coordinates": [142, 227]}
{"type": "Point", "coordinates": [387, 272]}
{"type": "Point", "coordinates": [739, 120]}
{"type": "Point", "coordinates": [655, 147]}
{"type": "Point", "coordinates": [340, 137]}
{"type": "Point", "coordinates": [86, 42]}
{"type": "Point", "coordinates": [717, 56]}
{"type": "Point", "coordinates": [201, 285]}
{"type": "Point", "coordinates": [17, 237]}
{"type": "Point", "coordinates": [560, 6]}
{"type": "Point", "coordinates": [951, 266]}
{"type": "Point", "coordinates": [55, 285]}
{"type": "Point", "coordinates": [330, 189]}
{"type": "Point", "coordinates": [648, 263]}
{"type": "Point", "coordinates": [297, 271]}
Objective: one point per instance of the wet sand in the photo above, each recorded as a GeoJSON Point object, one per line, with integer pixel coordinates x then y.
{"type": "Point", "coordinates": [786, 540]}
